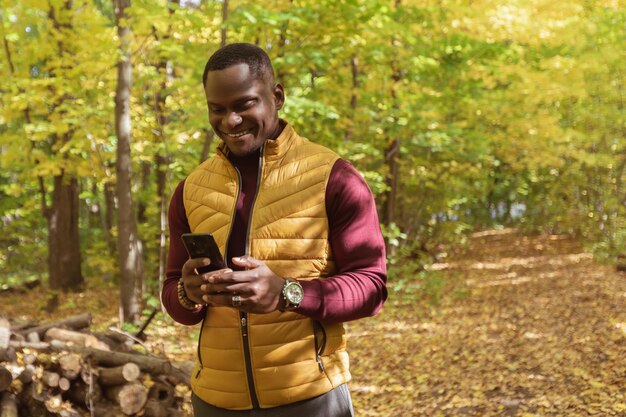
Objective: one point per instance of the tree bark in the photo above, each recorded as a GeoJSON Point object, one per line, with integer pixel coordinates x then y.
{"type": "Point", "coordinates": [224, 20]}
{"type": "Point", "coordinates": [81, 393]}
{"type": "Point", "coordinates": [8, 405]}
{"type": "Point", "coordinates": [109, 203]}
{"type": "Point", "coordinates": [206, 147]}
{"type": "Point", "coordinates": [5, 378]}
{"type": "Point", "coordinates": [27, 374]}
{"type": "Point", "coordinates": [154, 408]}
{"type": "Point", "coordinates": [107, 410]}
{"type": "Point", "coordinates": [354, 65]}
{"type": "Point", "coordinates": [162, 158]}
{"type": "Point", "coordinates": [119, 375]}
{"type": "Point", "coordinates": [392, 153]}
{"type": "Point", "coordinates": [129, 246]}
{"type": "Point", "coordinates": [391, 158]}
{"type": "Point", "coordinates": [64, 258]}
{"type": "Point", "coordinates": [77, 322]}
{"type": "Point", "coordinates": [76, 338]}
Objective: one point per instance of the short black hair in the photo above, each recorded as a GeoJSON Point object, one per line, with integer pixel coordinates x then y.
{"type": "Point", "coordinates": [240, 53]}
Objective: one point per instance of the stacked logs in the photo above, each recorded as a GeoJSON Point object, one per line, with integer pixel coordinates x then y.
{"type": "Point", "coordinates": [61, 369]}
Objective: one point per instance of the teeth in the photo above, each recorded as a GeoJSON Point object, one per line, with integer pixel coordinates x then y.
{"type": "Point", "coordinates": [236, 135]}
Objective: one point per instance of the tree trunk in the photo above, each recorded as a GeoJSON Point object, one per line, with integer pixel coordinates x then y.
{"type": "Point", "coordinates": [208, 140]}
{"type": "Point", "coordinates": [128, 243]}
{"type": "Point", "coordinates": [162, 158]}
{"type": "Point", "coordinates": [146, 170]}
{"type": "Point", "coordinates": [392, 153]}
{"type": "Point", "coordinates": [391, 159]}
{"type": "Point", "coordinates": [107, 220]}
{"type": "Point", "coordinates": [354, 65]}
{"type": "Point", "coordinates": [224, 19]}
{"type": "Point", "coordinates": [63, 238]}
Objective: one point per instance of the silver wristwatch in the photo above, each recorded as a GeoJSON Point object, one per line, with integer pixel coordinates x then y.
{"type": "Point", "coordinates": [292, 294]}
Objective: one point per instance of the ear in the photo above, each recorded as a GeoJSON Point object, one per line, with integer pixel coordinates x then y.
{"type": "Point", "coordinates": [279, 96]}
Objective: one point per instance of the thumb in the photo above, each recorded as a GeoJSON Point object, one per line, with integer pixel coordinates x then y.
{"type": "Point", "coordinates": [247, 261]}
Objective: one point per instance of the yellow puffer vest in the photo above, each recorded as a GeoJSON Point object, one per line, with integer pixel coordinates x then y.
{"type": "Point", "coordinates": [291, 357]}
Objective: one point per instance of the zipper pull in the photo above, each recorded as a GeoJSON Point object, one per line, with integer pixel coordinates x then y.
{"type": "Point", "coordinates": [244, 326]}
{"type": "Point", "coordinates": [199, 370]}
{"type": "Point", "coordinates": [319, 362]}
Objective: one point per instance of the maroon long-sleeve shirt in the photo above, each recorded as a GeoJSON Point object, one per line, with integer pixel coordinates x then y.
{"type": "Point", "coordinates": [359, 287]}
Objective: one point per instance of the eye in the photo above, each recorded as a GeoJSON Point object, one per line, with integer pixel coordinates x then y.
{"type": "Point", "coordinates": [216, 110]}
{"type": "Point", "coordinates": [246, 104]}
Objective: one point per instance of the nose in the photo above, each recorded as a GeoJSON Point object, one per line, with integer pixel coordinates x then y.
{"type": "Point", "coordinates": [233, 120]}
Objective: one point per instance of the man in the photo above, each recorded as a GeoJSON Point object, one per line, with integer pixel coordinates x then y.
{"type": "Point", "coordinates": [299, 230]}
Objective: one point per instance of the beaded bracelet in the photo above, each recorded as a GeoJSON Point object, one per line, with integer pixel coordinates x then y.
{"type": "Point", "coordinates": [183, 299]}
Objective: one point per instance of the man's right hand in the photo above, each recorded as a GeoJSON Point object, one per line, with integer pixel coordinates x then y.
{"type": "Point", "coordinates": [193, 281]}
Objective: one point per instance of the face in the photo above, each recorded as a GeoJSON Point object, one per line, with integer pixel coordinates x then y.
{"type": "Point", "coordinates": [243, 109]}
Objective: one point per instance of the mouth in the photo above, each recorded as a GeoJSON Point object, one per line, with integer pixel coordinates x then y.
{"type": "Point", "coordinates": [238, 134]}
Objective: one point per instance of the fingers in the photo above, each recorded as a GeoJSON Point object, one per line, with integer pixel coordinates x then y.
{"type": "Point", "coordinates": [192, 264]}
{"type": "Point", "coordinates": [247, 262]}
{"type": "Point", "coordinates": [226, 299]}
{"type": "Point", "coordinates": [231, 288]}
{"type": "Point", "coordinates": [192, 280]}
{"type": "Point", "coordinates": [253, 270]}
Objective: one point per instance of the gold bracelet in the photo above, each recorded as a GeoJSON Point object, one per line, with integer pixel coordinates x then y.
{"type": "Point", "coordinates": [183, 299]}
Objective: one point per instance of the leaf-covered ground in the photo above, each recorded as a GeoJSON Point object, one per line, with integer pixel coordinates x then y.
{"type": "Point", "coordinates": [541, 332]}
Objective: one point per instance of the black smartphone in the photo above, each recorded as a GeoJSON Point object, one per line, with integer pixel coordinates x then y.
{"type": "Point", "coordinates": [202, 245]}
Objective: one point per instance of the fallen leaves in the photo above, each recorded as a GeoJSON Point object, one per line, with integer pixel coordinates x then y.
{"type": "Point", "coordinates": [541, 333]}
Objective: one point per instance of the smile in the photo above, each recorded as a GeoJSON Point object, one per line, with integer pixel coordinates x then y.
{"type": "Point", "coordinates": [239, 134]}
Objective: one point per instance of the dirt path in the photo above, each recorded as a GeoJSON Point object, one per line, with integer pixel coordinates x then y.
{"type": "Point", "coordinates": [541, 332]}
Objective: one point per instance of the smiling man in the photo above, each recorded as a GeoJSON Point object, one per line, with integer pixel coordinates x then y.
{"type": "Point", "coordinates": [299, 230]}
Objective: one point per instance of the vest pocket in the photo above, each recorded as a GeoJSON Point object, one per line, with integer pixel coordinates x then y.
{"type": "Point", "coordinates": [319, 337]}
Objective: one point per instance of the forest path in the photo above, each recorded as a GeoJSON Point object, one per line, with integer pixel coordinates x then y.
{"type": "Point", "coordinates": [541, 331]}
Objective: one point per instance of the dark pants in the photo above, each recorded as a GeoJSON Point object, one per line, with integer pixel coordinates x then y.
{"type": "Point", "coordinates": [335, 403]}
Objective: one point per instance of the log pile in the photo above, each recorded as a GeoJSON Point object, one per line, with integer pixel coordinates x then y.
{"type": "Point", "coordinates": [62, 369]}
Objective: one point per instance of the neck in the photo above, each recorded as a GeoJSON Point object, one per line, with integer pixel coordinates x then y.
{"type": "Point", "coordinates": [280, 125]}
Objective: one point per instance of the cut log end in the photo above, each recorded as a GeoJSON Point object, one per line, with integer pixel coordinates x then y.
{"type": "Point", "coordinates": [128, 372]}
{"type": "Point", "coordinates": [131, 398]}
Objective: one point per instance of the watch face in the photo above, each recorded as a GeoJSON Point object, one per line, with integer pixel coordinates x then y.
{"type": "Point", "coordinates": [294, 293]}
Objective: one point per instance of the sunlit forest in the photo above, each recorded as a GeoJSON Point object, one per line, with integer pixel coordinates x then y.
{"type": "Point", "coordinates": [482, 128]}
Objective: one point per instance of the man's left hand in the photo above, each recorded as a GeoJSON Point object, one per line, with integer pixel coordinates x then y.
{"type": "Point", "coordinates": [258, 287]}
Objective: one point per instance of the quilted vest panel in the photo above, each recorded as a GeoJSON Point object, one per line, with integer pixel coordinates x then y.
{"type": "Point", "coordinates": [292, 358]}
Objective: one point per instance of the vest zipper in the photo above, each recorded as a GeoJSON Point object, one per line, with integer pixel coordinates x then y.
{"type": "Point", "coordinates": [319, 349]}
{"type": "Point", "coordinates": [199, 339]}
{"type": "Point", "coordinates": [244, 316]}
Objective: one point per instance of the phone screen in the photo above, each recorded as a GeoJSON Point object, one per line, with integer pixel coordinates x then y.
{"type": "Point", "coordinates": [202, 245]}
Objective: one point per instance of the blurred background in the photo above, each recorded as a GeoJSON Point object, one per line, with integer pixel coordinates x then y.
{"type": "Point", "coordinates": [461, 115]}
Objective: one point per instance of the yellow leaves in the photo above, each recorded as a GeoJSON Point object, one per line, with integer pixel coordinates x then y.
{"type": "Point", "coordinates": [543, 348]}
{"type": "Point", "coordinates": [619, 407]}
{"type": "Point", "coordinates": [597, 384]}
